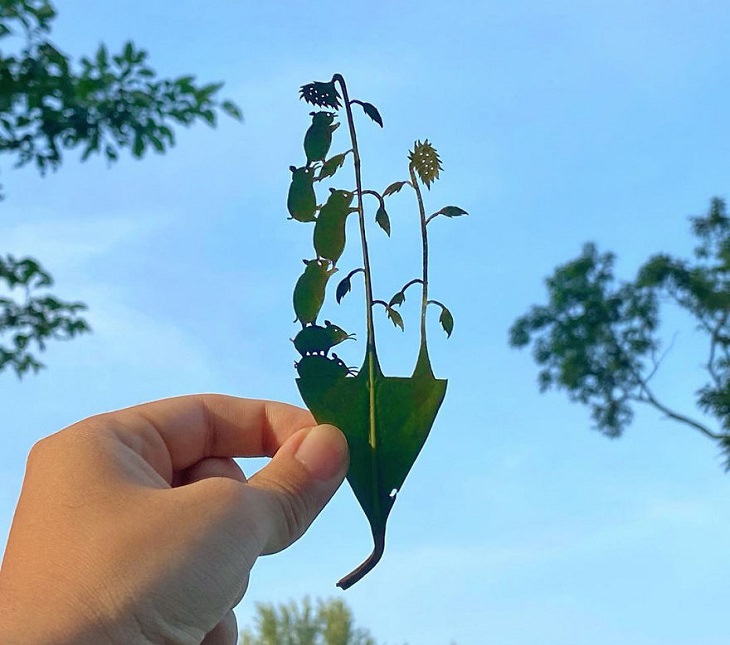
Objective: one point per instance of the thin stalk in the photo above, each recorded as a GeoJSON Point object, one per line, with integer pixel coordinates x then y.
{"type": "Point", "coordinates": [370, 351]}
{"type": "Point", "coordinates": [371, 358]}
{"type": "Point", "coordinates": [423, 364]}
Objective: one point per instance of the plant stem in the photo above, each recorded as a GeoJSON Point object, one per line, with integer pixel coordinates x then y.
{"type": "Point", "coordinates": [370, 352]}
{"type": "Point", "coordinates": [423, 364]}
{"type": "Point", "coordinates": [371, 358]}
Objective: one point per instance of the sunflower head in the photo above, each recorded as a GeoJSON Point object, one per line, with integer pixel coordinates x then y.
{"type": "Point", "coordinates": [425, 161]}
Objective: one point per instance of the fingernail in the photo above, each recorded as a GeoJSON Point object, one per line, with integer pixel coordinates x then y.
{"type": "Point", "coordinates": [322, 452]}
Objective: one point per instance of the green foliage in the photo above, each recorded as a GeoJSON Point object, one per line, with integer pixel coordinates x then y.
{"type": "Point", "coordinates": [330, 623]}
{"type": "Point", "coordinates": [105, 103]}
{"type": "Point", "coordinates": [386, 419]}
{"type": "Point", "coordinates": [102, 104]}
{"type": "Point", "coordinates": [597, 338]}
{"type": "Point", "coordinates": [27, 325]}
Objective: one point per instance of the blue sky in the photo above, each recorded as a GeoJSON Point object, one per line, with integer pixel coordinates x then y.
{"type": "Point", "coordinates": [558, 123]}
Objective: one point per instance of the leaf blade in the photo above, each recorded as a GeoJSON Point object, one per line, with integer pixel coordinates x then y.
{"type": "Point", "coordinates": [382, 219]}
{"type": "Point", "coordinates": [373, 113]}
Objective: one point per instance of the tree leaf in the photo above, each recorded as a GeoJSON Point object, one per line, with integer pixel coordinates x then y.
{"type": "Point", "coordinates": [331, 166]}
{"type": "Point", "coordinates": [373, 113]}
{"type": "Point", "coordinates": [425, 161]}
{"type": "Point", "coordinates": [329, 230]}
{"type": "Point", "coordinates": [321, 94]}
{"type": "Point", "coordinates": [231, 109]}
{"type": "Point", "coordinates": [381, 217]}
{"type": "Point", "coordinates": [394, 188]}
{"type": "Point", "coordinates": [451, 211]}
{"type": "Point", "coordinates": [447, 321]}
{"type": "Point", "coordinates": [343, 289]}
{"type": "Point", "coordinates": [384, 441]}
{"type": "Point", "coordinates": [395, 318]}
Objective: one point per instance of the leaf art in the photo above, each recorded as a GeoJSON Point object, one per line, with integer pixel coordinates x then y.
{"type": "Point", "coordinates": [386, 419]}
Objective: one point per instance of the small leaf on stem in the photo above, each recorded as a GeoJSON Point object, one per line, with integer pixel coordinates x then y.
{"type": "Point", "coordinates": [394, 188]}
{"type": "Point", "coordinates": [373, 113]}
{"type": "Point", "coordinates": [451, 211]}
{"type": "Point", "coordinates": [381, 217]}
{"type": "Point", "coordinates": [447, 321]}
{"type": "Point", "coordinates": [343, 288]}
{"type": "Point", "coordinates": [395, 317]}
{"type": "Point", "coordinates": [398, 299]}
{"type": "Point", "coordinates": [331, 166]}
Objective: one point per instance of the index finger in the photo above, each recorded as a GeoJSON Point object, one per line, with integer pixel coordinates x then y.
{"type": "Point", "coordinates": [173, 434]}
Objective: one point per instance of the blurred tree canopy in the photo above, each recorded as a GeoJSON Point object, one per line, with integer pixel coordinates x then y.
{"type": "Point", "coordinates": [597, 338]}
{"type": "Point", "coordinates": [101, 104]}
{"type": "Point", "coordinates": [331, 623]}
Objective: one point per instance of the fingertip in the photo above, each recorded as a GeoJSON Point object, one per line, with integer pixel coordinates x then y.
{"type": "Point", "coordinates": [323, 452]}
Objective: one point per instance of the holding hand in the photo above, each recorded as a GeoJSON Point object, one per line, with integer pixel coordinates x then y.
{"type": "Point", "coordinates": [138, 526]}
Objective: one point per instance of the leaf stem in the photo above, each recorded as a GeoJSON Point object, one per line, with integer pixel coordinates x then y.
{"type": "Point", "coordinates": [367, 566]}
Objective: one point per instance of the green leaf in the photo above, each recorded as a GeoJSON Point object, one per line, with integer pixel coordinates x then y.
{"type": "Point", "coordinates": [425, 161]}
{"type": "Point", "coordinates": [395, 318]}
{"type": "Point", "coordinates": [447, 321]}
{"type": "Point", "coordinates": [331, 166]}
{"type": "Point", "coordinates": [318, 138]}
{"type": "Point", "coordinates": [373, 113]}
{"type": "Point", "coordinates": [232, 110]}
{"type": "Point", "coordinates": [310, 289]}
{"type": "Point", "coordinates": [302, 200]}
{"type": "Point", "coordinates": [451, 211]}
{"type": "Point", "coordinates": [329, 230]}
{"type": "Point", "coordinates": [397, 300]}
{"type": "Point", "coordinates": [384, 441]}
{"type": "Point", "coordinates": [343, 289]}
{"type": "Point", "coordinates": [321, 94]}
{"type": "Point", "coordinates": [138, 145]}
{"type": "Point", "coordinates": [102, 57]}
{"type": "Point", "coordinates": [345, 285]}
{"type": "Point", "coordinates": [381, 217]}
{"type": "Point", "coordinates": [394, 188]}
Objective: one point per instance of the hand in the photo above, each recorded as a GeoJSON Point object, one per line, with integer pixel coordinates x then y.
{"type": "Point", "coordinates": [137, 526]}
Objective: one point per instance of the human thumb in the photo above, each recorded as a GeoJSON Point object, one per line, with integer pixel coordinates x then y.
{"type": "Point", "coordinates": [287, 495]}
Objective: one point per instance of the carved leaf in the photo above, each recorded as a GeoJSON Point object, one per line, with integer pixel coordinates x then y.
{"type": "Point", "coordinates": [395, 318]}
{"type": "Point", "coordinates": [331, 166]}
{"type": "Point", "coordinates": [373, 113]}
{"type": "Point", "coordinates": [447, 321]}
{"type": "Point", "coordinates": [381, 217]}
{"type": "Point", "coordinates": [394, 188]}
